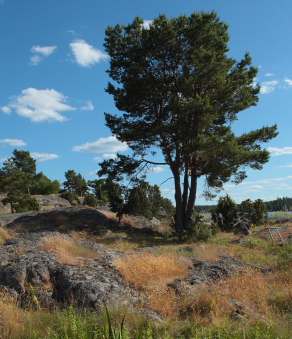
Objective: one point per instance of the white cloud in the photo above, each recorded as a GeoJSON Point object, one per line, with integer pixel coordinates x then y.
{"type": "Point", "coordinates": [93, 172]}
{"type": "Point", "coordinates": [280, 151]}
{"type": "Point", "coordinates": [268, 86]}
{"type": "Point", "coordinates": [85, 54]}
{"type": "Point", "coordinates": [105, 157]}
{"type": "Point", "coordinates": [40, 105]}
{"type": "Point", "coordinates": [146, 23]}
{"type": "Point", "coordinates": [13, 142]}
{"type": "Point", "coordinates": [35, 59]}
{"type": "Point", "coordinates": [41, 51]}
{"type": "Point", "coordinates": [110, 144]}
{"type": "Point", "coordinates": [288, 82]}
{"type": "Point", "coordinates": [6, 109]}
{"type": "Point", "coordinates": [156, 169]}
{"type": "Point", "coordinates": [256, 187]}
{"type": "Point", "coordinates": [45, 50]}
{"type": "Point", "coordinates": [286, 166]}
{"type": "Point", "coordinates": [3, 159]}
{"type": "Point", "coordinates": [88, 107]}
{"type": "Point", "coordinates": [43, 156]}
{"type": "Point", "coordinates": [269, 74]}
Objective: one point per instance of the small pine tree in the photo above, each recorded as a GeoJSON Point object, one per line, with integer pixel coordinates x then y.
{"type": "Point", "coordinates": [225, 214]}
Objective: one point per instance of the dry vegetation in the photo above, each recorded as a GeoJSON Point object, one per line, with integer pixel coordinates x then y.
{"type": "Point", "coordinates": [68, 250]}
{"type": "Point", "coordinates": [3, 235]}
{"type": "Point", "coordinates": [263, 300]}
{"type": "Point", "coordinates": [146, 269]}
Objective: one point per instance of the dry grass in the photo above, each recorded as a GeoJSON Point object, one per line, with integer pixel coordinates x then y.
{"type": "Point", "coordinates": [3, 235]}
{"type": "Point", "coordinates": [68, 251]}
{"type": "Point", "coordinates": [11, 318]}
{"type": "Point", "coordinates": [146, 269]}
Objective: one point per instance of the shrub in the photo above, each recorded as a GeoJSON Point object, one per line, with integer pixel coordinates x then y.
{"type": "Point", "coordinates": [90, 200]}
{"type": "Point", "coordinates": [198, 230]}
{"type": "Point", "coordinates": [27, 203]}
{"type": "Point", "coordinates": [225, 214]}
{"type": "Point", "coordinates": [71, 197]}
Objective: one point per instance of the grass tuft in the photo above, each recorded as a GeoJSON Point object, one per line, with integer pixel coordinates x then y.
{"type": "Point", "coordinates": [68, 251]}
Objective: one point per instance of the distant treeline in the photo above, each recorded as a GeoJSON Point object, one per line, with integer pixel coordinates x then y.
{"type": "Point", "coordinates": [280, 204]}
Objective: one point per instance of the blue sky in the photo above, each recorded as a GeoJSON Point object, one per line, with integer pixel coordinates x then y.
{"type": "Point", "coordinates": [53, 74]}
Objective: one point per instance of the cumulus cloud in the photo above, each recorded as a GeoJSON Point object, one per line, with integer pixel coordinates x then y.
{"type": "Point", "coordinates": [43, 156]}
{"type": "Point", "coordinates": [39, 105]}
{"type": "Point", "coordinates": [40, 52]}
{"type": "Point", "coordinates": [146, 23]}
{"type": "Point", "coordinates": [288, 81]}
{"type": "Point", "coordinates": [6, 109]}
{"type": "Point", "coordinates": [102, 145]}
{"type": "Point", "coordinates": [268, 86]}
{"type": "Point", "coordinates": [86, 55]}
{"type": "Point", "coordinates": [35, 60]}
{"type": "Point", "coordinates": [88, 107]}
{"type": "Point", "coordinates": [45, 50]}
{"type": "Point", "coordinates": [156, 169]}
{"type": "Point", "coordinates": [280, 151]}
{"type": "Point", "coordinates": [105, 157]}
{"type": "Point", "coordinates": [13, 142]}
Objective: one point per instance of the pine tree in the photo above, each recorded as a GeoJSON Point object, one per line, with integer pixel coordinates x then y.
{"type": "Point", "coordinates": [180, 92]}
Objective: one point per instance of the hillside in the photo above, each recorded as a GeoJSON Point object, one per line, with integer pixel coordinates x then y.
{"type": "Point", "coordinates": [79, 257]}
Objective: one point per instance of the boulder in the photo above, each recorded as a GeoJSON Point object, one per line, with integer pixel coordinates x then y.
{"type": "Point", "coordinates": [49, 202]}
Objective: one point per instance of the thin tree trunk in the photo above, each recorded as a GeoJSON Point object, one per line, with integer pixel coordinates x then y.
{"type": "Point", "coordinates": [178, 201]}
{"type": "Point", "coordinates": [192, 200]}
{"type": "Point", "coordinates": [185, 193]}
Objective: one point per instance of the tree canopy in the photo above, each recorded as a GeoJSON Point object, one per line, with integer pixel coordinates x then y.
{"type": "Point", "coordinates": [179, 91]}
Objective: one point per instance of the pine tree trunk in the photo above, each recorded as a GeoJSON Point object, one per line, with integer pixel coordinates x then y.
{"type": "Point", "coordinates": [179, 205]}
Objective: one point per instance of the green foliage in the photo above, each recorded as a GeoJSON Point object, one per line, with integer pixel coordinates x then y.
{"type": "Point", "coordinates": [179, 91]}
{"type": "Point", "coordinates": [116, 198]}
{"type": "Point", "coordinates": [42, 185]}
{"type": "Point", "coordinates": [24, 162]}
{"type": "Point", "coordinates": [75, 183]}
{"type": "Point", "coordinates": [71, 197]}
{"type": "Point", "coordinates": [198, 230]}
{"type": "Point", "coordinates": [90, 200]}
{"type": "Point", "coordinates": [255, 212]}
{"type": "Point", "coordinates": [280, 204]}
{"type": "Point", "coordinates": [14, 183]}
{"type": "Point", "coordinates": [144, 199]}
{"type": "Point", "coordinates": [27, 203]}
{"type": "Point", "coordinates": [225, 214]}
{"type": "Point", "coordinates": [167, 206]}
{"type": "Point", "coordinates": [99, 189]}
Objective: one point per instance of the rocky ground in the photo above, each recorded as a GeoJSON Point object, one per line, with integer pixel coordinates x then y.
{"type": "Point", "coordinates": [28, 272]}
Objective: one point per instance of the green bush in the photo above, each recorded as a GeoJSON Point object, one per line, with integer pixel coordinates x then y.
{"type": "Point", "coordinates": [27, 203]}
{"type": "Point", "coordinates": [225, 214]}
{"type": "Point", "coordinates": [90, 200]}
{"type": "Point", "coordinates": [198, 230]}
{"type": "Point", "coordinates": [71, 197]}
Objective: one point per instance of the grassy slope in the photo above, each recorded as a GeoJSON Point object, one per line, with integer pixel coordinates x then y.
{"type": "Point", "coordinates": [205, 313]}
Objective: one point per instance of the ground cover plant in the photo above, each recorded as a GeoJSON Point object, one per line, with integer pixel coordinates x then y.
{"type": "Point", "coordinates": [253, 303]}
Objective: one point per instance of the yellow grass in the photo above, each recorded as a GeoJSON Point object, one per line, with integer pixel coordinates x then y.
{"type": "Point", "coordinates": [68, 251]}
{"type": "Point", "coordinates": [3, 235]}
{"type": "Point", "coordinates": [144, 269]}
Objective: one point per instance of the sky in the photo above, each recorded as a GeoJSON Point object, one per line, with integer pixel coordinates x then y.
{"type": "Point", "coordinates": [53, 75]}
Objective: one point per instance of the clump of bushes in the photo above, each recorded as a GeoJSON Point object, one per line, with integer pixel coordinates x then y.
{"type": "Point", "coordinates": [91, 200]}
{"type": "Point", "coordinates": [27, 203]}
{"type": "Point", "coordinates": [71, 197]}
